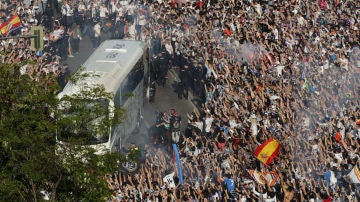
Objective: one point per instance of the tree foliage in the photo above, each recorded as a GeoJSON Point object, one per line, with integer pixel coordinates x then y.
{"type": "Point", "coordinates": [29, 122]}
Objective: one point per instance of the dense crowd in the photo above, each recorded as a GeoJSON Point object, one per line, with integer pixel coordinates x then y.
{"type": "Point", "coordinates": [16, 45]}
{"type": "Point", "coordinates": [263, 69]}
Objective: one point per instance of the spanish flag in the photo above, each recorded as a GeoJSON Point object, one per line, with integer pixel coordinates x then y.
{"type": "Point", "coordinates": [338, 137]}
{"type": "Point", "coordinates": [10, 25]}
{"type": "Point", "coordinates": [227, 32]}
{"type": "Point", "coordinates": [267, 151]}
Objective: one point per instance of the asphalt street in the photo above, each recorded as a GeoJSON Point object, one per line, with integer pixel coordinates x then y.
{"type": "Point", "coordinates": [165, 98]}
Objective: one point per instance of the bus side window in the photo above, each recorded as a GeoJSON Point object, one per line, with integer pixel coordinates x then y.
{"type": "Point", "coordinates": [124, 91]}
{"type": "Point", "coordinates": [117, 97]}
{"type": "Point", "coordinates": [132, 81]}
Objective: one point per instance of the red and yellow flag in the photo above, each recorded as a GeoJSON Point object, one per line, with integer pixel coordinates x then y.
{"type": "Point", "coordinates": [10, 25]}
{"type": "Point", "coordinates": [267, 151]}
{"type": "Point", "coordinates": [338, 137]}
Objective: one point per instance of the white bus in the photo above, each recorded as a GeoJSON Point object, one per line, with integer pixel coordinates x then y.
{"type": "Point", "coordinates": [122, 68]}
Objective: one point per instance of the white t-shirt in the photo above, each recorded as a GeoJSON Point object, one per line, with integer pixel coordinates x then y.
{"type": "Point", "coordinates": [124, 3]}
{"type": "Point", "coordinates": [103, 11]}
{"type": "Point", "coordinates": [258, 9]}
{"type": "Point", "coordinates": [131, 9]}
{"type": "Point", "coordinates": [339, 157]}
{"type": "Point", "coordinates": [97, 30]}
{"type": "Point", "coordinates": [254, 128]}
{"type": "Point", "coordinates": [208, 122]}
{"type": "Point", "coordinates": [233, 123]}
{"type": "Point", "coordinates": [142, 20]}
{"type": "Point", "coordinates": [344, 63]}
{"type": "Point", "coordinates": [119, 10]}
{"type": "Point", "coordinates": [113, 6]}
{"type": "Point", "coordinates": [81, 8]}
{"type": "Point", "coordinates": [276, 34]}
{"type": "Point", "coordinates": [132, 31]}
{"type": "Point", "coordinates": [169, 48]}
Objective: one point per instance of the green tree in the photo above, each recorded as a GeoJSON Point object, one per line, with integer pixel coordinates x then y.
{"type": "Point", "coordinates": [30, 120]}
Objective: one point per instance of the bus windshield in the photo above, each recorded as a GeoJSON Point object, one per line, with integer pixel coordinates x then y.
{"type": "Point", "coordinates": [85, 121]}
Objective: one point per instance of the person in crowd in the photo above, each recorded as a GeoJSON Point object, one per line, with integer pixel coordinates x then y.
{"type": "Point", "coordinates": [103, 13]}
{"type": "Point", "coordinates": [175, 126]}
{"type": "Point", "coordinates": [70, 35]}
{"type": "Point", "coordinates": [161, 68]}
{"type": "Point", "coordinates": [64, 75]}
{"type": "Point", "coordinates": [119, 30]}
{"type": "Point", "coordinates": [67, 11]}
{"type": "Point", "coordinates": [81, 10]}
{"type": "Point", "coordinates": [97, 34]}
{"type": "Point", "coordinates": [130, 30]}
{"type": "Point", "coordinates": [264, 69]}
{"type": "Point", "coordinates": [76, 38]}
{"type": "Point", "coordinates": [185, 82]}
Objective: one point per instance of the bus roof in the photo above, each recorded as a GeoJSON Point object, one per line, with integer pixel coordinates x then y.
{"type": "Point", "coordinates": [114, 53]}
{"type": "Point", "coordinates": [111, 61]}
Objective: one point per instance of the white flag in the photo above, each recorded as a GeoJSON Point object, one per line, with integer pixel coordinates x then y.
{"type": "Point", "coordinates": [354, 176]}
{"type": "Point", "coordinates": [169, 179]}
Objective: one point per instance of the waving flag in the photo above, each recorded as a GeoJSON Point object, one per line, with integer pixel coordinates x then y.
{"type": "Point", "coordinates": [267, 151]}
{"type": "Point", "coordinates": [270, 178]}
{"type": "Point", "coordinates": [10, 25]}
{"type": "Point", "coordinates": [330, 178]}
{"type": "Point", "coordinates": [170, 180]}
{"type": "Point", "coordinates": [354, 176]}
{"type": "Point", "coordinates": [338, 137]}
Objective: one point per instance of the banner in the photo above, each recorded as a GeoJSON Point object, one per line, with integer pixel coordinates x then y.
{"type": "Point", "coordinates": [330, 178]}
{"type": "Point", "coordinates": [169, 179]}
{"type": "Point", "coordinates": [354, 176]}
{"type": "Point", "coordinates": [178, 162]}
{"type": "Point", "coordinates": [270, 178]}
{"type": "Point", "coordinates": [267, 151]}
{"type": "Point", "coordinates": [10, 25]}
